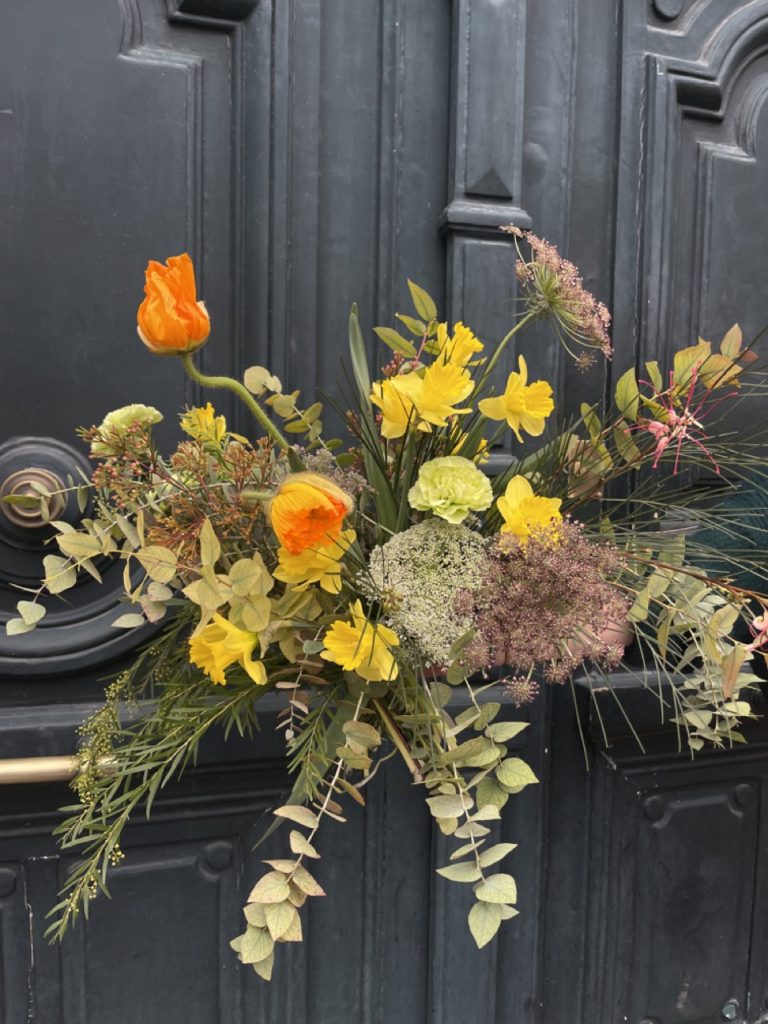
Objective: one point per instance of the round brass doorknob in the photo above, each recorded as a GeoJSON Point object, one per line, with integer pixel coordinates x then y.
{"type": "Point", "coordinates": [77, 634]}
{"type": "Point", "coordinates": [24, 483]}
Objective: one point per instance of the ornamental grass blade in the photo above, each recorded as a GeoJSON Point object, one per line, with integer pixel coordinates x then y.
{"type": "Point", "coordinates": [359, 358]}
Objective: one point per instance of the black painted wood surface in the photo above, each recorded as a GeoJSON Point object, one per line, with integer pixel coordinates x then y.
{"type": "Point", "coordinates": [309, 154]}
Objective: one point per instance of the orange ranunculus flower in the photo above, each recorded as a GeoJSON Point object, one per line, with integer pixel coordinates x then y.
{"type": "Point", "coordinates": [308, 511]}
{"type": "Point", "coordinates": [171, 321]}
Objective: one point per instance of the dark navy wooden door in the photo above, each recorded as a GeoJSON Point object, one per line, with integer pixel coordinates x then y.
{"type": "Point", "coordinates": [308, 154]}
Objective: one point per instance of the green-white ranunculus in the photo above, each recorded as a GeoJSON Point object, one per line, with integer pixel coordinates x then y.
{"type": "Point", "coordinates": [117, 422]}
{"type": "Point", "coordinates": [451, 488]}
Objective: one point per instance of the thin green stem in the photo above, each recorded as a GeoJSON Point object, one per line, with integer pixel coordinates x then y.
{"type": "Point", "coordinates": [242, 393]}
{"type": "Point", "coordinates": [256, 495]}
{"type": "Point", "coordinates": [523, 322]}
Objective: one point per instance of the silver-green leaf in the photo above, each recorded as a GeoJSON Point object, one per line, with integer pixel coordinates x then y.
{"type": "Point", "coordinates": [465, 872]}
{"type": "Point", "coordinates": [484, 921]}
{"type": "Point", "coordinates": [499, 888]}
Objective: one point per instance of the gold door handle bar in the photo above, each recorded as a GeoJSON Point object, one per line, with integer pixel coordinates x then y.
{"type": "Point", "coordinates": [16, 771]}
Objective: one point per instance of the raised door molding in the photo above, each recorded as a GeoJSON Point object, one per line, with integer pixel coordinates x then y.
{"type": "Point", "coordinates": [691, 258]}
{"type": "Point", "coordinates": [348, 123]}
{"type": "Point", "coordinates": [673, 926]}
{"type": "Point", "coordinates": [485, 161]}
{"type": "Point", "coordinates": [674, 929]}
{"type": "Point", "coordinates": [202, 12]}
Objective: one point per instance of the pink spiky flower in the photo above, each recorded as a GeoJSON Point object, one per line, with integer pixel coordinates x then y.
{"type": "Point", "coordinates": [680, 423]}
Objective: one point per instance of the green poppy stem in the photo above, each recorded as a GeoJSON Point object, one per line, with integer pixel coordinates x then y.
{"type": "Point", "coordinates": [256, 495]}
{"type": "Point", "coordinates": [242, 393]}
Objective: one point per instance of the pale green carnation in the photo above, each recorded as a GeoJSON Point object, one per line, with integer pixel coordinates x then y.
{"type": "Point", "coordinates": [451, 488]}
{"type": "Point", "coordinates": [117, 422]}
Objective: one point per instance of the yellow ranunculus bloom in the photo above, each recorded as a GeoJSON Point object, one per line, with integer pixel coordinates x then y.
{"type": "Point", "coordinates": [171, 319]}
{"type": "Point", "coordinates": [458, 348]}
{"type": "Point", "coordinates": [524, 406]}
{"type": "Point", "coordinates": [525, 512]}
{"type": "Point", "coordinates": [307, 511]}
{"type": "Point", "coordinates": [204, 425]}
{"type": "Point", "coordinates": [221, 644]}
{"type": "Point", "coordinates": [362, 647]}
{"type": "Point", "coordinates": [315, 565]}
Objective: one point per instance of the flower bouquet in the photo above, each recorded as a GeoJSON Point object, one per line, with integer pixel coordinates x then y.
{"type": "Point", "coordinates": [364, 583]}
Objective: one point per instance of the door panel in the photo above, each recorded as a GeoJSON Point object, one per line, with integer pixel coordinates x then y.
{"type": "Point", "coordinates": [676, 850]}
{"type": "Point", "coordinates": [690, 188]}
{"type": "Point", "coordinates": [120, 148]}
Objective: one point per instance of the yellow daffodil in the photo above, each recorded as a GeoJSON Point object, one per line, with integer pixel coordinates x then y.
{"type": "Point", "coordinates": [204, 425]}
{"type": "Point", "coordinates": [524, 406]}
{"type": "Point", "coordinates": [481, 455]}
{"type": "Point", "coordinates": [459, 348]}
{"type": "Point", "coordinates": [396, 402]}
{"type": "Point", "coordinates": [444, 385]}
{"type": "Point", "coordinates": [314, 565]}
{"type": "Point", "coordinates": [524, 512]}
{"type": "Point", "coordinates": [219, 645]}
{"type": "Point", "coordinates": [421, 401]}
{"type": "Point", "coordinates": [362, 647]}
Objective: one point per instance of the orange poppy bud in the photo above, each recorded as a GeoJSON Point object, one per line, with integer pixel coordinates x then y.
{"type": "Point", "coordinates": [308, 511]}
{"type": "Point", "coordinates": [171, 321]}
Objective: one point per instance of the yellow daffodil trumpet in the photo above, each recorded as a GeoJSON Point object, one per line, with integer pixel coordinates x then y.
{"type": "Point", "coordinates": [221, 644]}
{"type": "Point", "coordinates": [524, 406]}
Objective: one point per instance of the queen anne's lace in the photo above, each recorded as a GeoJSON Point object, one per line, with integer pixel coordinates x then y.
{"type": "Point", "coordinates": [418, 574]}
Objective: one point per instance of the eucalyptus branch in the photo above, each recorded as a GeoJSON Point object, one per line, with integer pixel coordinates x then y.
{"type": "Point", "coordinates": [463, 788]}
{"type": "Point", "coordinates": [323, 809]}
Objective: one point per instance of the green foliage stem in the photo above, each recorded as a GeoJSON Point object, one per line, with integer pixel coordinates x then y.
{"type": "Point", "coordinates": [242, 393]}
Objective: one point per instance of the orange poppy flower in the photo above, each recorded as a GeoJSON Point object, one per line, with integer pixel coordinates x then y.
{"type": "Point", "coordinates": [308, 511]}
{"type": "Point", "coordinates": [171, 321]}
